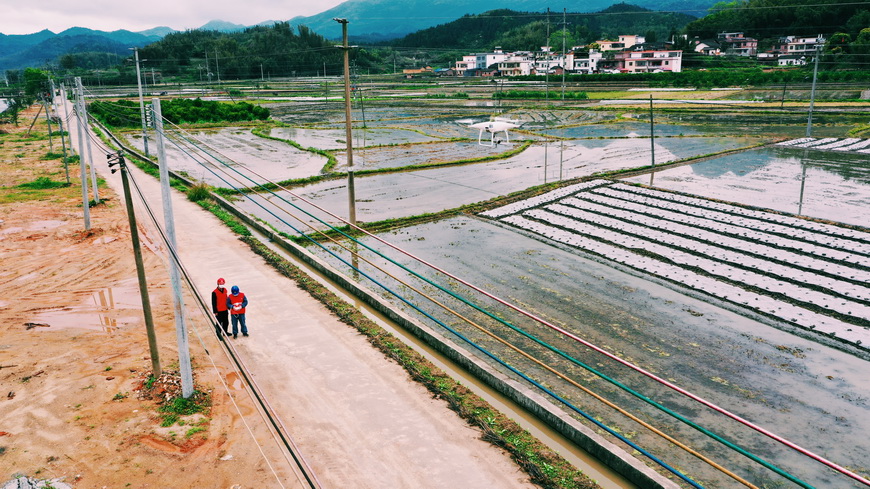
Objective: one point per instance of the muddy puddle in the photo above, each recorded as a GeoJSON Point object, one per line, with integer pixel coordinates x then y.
{"type": "Point", "coordinates": [820, 184]}
{"type": "Point", "coordinates": [105, 310]}
{"type": "Point", "coordinates": [772, 378]}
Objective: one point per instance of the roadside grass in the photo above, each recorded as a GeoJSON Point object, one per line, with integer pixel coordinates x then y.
{"type": "Point", "coordinates": [42, 183]}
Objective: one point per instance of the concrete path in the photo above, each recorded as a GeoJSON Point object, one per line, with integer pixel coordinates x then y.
{"type": "Point", "coordinates": [356, 417]}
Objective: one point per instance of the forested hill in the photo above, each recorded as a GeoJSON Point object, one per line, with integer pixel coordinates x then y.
{"type": "Point", "coordinates": [527, 31]}
{"type": "Point", "coordinates": [276, 50]}
{"type": "Point", "coordinates": [767, 19]}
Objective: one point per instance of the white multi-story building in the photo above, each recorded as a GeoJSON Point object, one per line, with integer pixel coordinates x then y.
{"type": "Point", "coordinates": [469, 62]}
{"type": "Point", "coordinates": [624, 42]}
{"type": "Point", "coordinates": [587, 64]}
{"type": "Point", "coordinates": [645, 58]}
{"type": "Point", "coordinates": [480, 61]}
{"type": "Point", "coordinates": [802, 45]}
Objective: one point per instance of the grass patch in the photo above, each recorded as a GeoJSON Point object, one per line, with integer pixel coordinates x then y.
{"type": "Point", "coordinates": [42, 183]}
{"type": "Point", "coordinates": [199, 192]}
{"type": "Point", "coordinates": [173, 409]}
{"type": "Point", "coordinates": [51, 156]}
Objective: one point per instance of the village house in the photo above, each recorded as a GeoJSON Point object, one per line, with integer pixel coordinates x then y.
{"type": "Point", "coordinates": [650, 57]}
{"type": "Point", "coordinates": [417, 71]}
{"type": "Point", "coordinates": [638, 58]}
{"type": "Point", "coordinates": [736, 44]}
{"type": "Point", "coordinates": [583, 64]}
{"type": "Point", "coordinates": [800, 45]}
{"type": "Point", "coordinates": [709, 47]}
{"type": "Point", "coordinates": [623, 43]}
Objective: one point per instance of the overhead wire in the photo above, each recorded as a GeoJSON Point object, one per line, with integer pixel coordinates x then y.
{"type": "Point", "coordinates": [462, 317]}
{"type": "Point", "coordinates": [366, 233]}
{"type": "Point", "coordinates": [536, 361]}
{"type": "Point", "coordinates": [646, 399]}
{"type": "Point", "coordinates": [590, 418]}
{"type": "Point", "coordinates": [307, 474]}
{"type": "Point", "coordinates": [294, 451]}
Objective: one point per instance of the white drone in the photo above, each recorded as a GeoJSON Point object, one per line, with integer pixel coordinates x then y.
{"type": "Point", "coordinates": [494, 126]}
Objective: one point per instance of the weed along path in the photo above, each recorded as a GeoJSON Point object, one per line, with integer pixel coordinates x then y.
{"type": "Point", "coordinates": [357, 419]}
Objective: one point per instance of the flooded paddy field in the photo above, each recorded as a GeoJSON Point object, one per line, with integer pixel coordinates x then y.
{"type": "Point", "coordinates": [811, 394]}
{"type": "Point", "coordinates": [337, 138]}
{"type": "Point", "coordinates": [217, 157]}
{"type": "Point", "coordinates": [821, 184]}
{"type": "Point", "coordinates": [401, 156]}
{"type": "Point", "coordinates": [409, 193]}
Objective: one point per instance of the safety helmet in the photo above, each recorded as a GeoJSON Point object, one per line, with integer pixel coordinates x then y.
{"type": "Point", "coordinates": [235, 289]}
{"type": "Point", "coordinates": [221, 281]}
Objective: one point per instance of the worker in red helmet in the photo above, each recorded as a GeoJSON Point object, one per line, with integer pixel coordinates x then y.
{"type": "Point", "coordinates": [219, 306]}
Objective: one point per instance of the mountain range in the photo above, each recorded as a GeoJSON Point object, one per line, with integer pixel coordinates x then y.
{"type": "Point", "coordinates": [368, 21]}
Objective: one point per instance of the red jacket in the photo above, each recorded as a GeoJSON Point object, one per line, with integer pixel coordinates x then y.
{"type": "Point", "coordinates": [237, 301]}
{"type": "Point", "coordinates": [219, 300]}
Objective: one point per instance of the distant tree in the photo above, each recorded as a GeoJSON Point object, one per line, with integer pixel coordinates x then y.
{"type": "Point", "coordinates": [67, 61]}
{"type": "Point", "coordinates": [650, 36]}
{"type": "Point", "coordinates": [35, 84]}
{"type": "Point", "coordinates": [838, 43]}
{"type": "Point", "coordinates": [861, 45]}
{"type": "Point", "coordinates": [556, 39]}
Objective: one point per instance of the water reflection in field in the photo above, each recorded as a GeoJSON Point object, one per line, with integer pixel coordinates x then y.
{"type": "Point", "coordinates": [402, 194]}
{"type": "Point", "coordinates": [825, 185]}
{"type": "Point", "coordinates": [225, 157]}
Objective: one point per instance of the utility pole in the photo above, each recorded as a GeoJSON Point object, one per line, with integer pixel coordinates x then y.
{"type": "Point", "coordinates": [217, 67]}
{"type": "Point", "coordinates": [89, 143]}
{"type": "Point", "coordinates": [348, 121]}
{"type": "Point", "coordinates": [547, 71]}
{"type": "Point", "coordinates": [48, 122]}
{"type": "Point", "coordinates": [60, 124]}
{"type": "Point", "coordinates": [813, 93]}
{"type": "Point", "coordinates": [85, 202]}
{"type": "Point", "coordinates": [564, 53]}
{"type": "Point", "coordinates": [118, 159]}
{"type": "Point", "coordinates": [652, 139]}
{"type": "Point", "coordinates": [141, 101]}
{"type": "Point", "coordinates": [174, 276]}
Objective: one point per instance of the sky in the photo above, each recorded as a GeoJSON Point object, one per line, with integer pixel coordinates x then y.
{"type": "Point", "coordinates": [29, 16]}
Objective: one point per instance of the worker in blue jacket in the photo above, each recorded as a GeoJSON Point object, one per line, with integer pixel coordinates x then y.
{"type": "Point", "coordinates": [236, 303]}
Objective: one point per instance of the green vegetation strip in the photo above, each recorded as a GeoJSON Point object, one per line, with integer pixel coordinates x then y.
{"type": "Point", "coordinates": [265, 131]}
{"type": "Point", "coordinates": [544, 467]}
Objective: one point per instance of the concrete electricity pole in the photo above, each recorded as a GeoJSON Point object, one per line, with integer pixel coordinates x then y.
{"type": "Point", "coordinates": [85, 202]}
{"type": "Point", "coordinates": [60, 123]}
{"type": "Point", "coordinates": [141, 101]}
{"type": "Point", "coordinates": [348, 122]}
{"type": "Point", "coordinates": [86, 130]}
{"type": "Point", "coordinates": [174, 276]}
{"type": "Point", "coordinates": [118, 159]}
{"type": "Point", "coordinates": [813, 93]}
